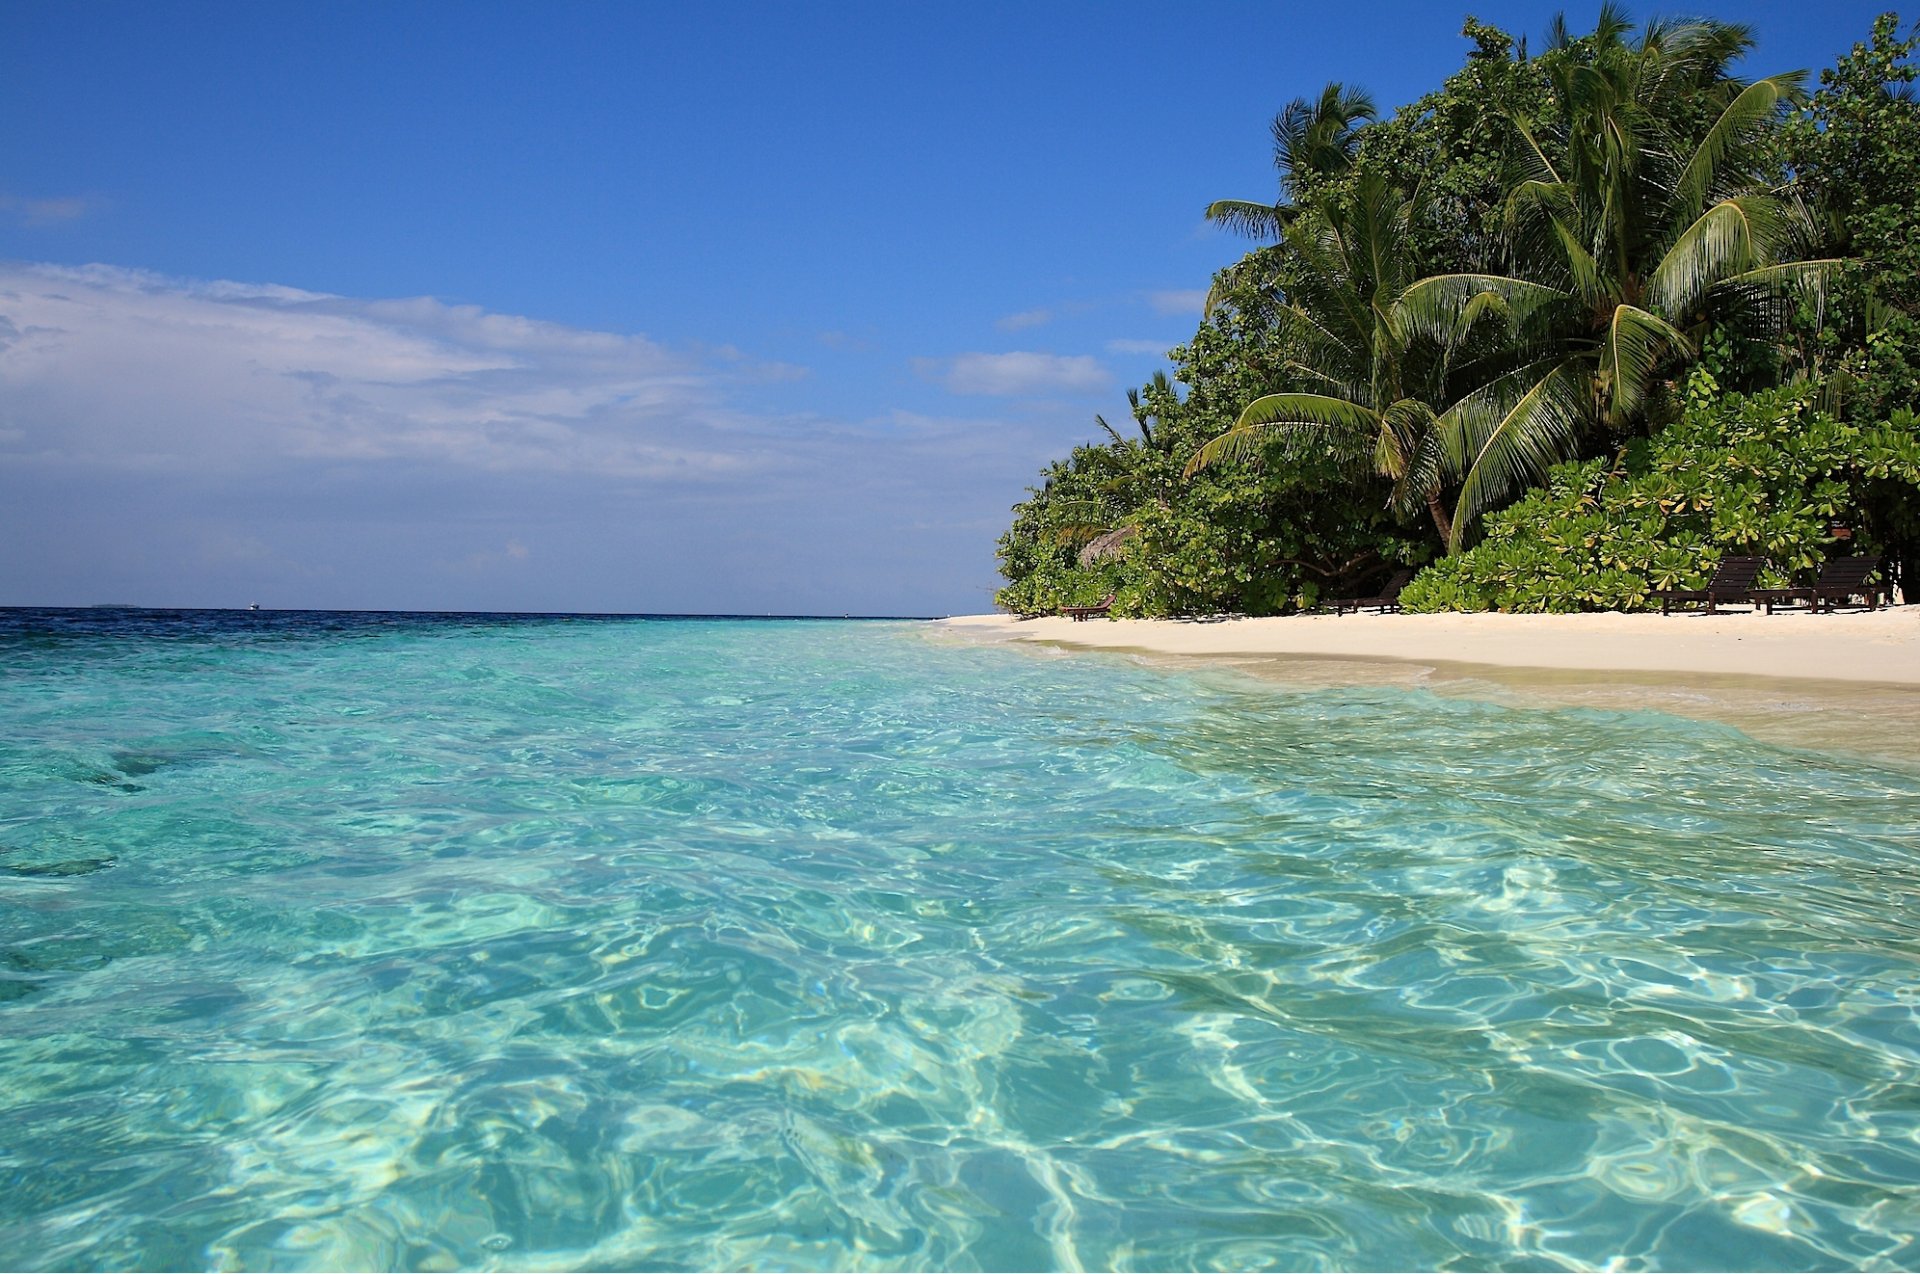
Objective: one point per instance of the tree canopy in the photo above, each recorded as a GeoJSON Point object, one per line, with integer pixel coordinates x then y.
{"type": "Point", "coordinates": [1518, 270]}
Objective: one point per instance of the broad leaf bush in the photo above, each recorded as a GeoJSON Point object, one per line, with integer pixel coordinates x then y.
{"type": "Point", "coordinates": [1760, 475]}
{"type": "Point", "coordinates": [1408, 327]}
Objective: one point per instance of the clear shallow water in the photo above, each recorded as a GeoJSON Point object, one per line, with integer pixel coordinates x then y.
{"type": "Point", "coordinates": [366, 942]}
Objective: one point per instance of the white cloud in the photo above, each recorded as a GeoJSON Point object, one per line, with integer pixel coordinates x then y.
{"type": "Point", "coordinates": [1185, 301]}
{"type": "Point", "coordinates": [1156, 349]}
{"type": "Point", "coordinates": [1025, 319]}
{"type": "Point", "coordinates": [1016, 373]}
{"type": "Point", "coordinates": [844, 342]}
{"type": "Point", "coordinates": [42, 212]}
{"type": "Point", "coordinates": [212, 443]}
{"type": "Point", "coordinates": [131, 370]}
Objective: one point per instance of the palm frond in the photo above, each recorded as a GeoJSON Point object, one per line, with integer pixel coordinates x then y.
{"type": "Point", "coordinates": [1577, 257]}
{"type": "Point", "coordinates": [1215, 295]}
{"type": "Point", "coordinates": [1540, 167]}
{"type": "Point", "coordinates": [1809, 279]}
{"type": "Point", "coordinates": [1610, 26]}
{"type": "Point", "coordinates": [1425, 475]}
{"type": "Point", "coordinates": [1443, 307]}
{"type": "Point", "coordinates": [1498, 442]}
{"type": "Point", "coordinates": [1635, 343]}
{"type": "Point", "coordinates": [1404, 425]}
{"type": "Point", "coordinates": [1076, 521]}
{"type": "Point", "coordinates": [1737, 235]}
{"type": "Point", "coordinates": [1328, 382]}
{"type": "Point", "coordinates": [1535, 194]}
{"type": "Point", "coordinates": [1756, 103]}
{"type": "Point", "coordinates": [1698, 53]}
{"type": "Point", "coordinates": [1254, 220]}
{"type": "Point", "coordinates": [1283, 411]}
{"type": "Point", "coordinates": [1319, 136]}
{"type": "Point", "coordinates": [1334, 351]}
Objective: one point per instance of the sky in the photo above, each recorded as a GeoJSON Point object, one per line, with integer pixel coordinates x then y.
{"type": "Point", "coordinates": [729, 308]}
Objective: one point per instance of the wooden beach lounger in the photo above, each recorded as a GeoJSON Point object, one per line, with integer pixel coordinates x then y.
{"type": "Point", "coordinates": [1841, 579]}
{"type": "Point", "coordinates": [1845, 578]}
{"type": "Point", "coordinates": [1079, 613]}
{"type": "Point", "coordinates": [1731, 582]}
{"type": "Point", "coordinates": [1389, 598]}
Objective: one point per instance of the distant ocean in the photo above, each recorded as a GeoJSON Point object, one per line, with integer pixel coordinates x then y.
{"type": "Point", "coordinates": [441, 941]}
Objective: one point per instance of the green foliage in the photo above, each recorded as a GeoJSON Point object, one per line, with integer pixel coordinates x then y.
{"type": "Point", "coordinates": [1759, 475]}
{"type": "Point", "coordinates": [1642, 212]}
{"type": "Point", "coordinates": [1551, 258]}
{"type": "Point", "coordinates": [1263, 539]}
{"type": "Point", "coordinates": [1313, 142]}
{"type": "Point", "coordinates": [1855, 152]}
{"type": "Point", "coordinates": [1351, 263]}
{"type": "Point", "coordinates": [1455, 146]}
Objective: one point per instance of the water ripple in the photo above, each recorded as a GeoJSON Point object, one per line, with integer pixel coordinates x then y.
{"type": "Point", "coordinates": [441, 942]}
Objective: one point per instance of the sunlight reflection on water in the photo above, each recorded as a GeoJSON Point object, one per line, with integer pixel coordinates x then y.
{"type": "Point", "coordinates": [554, 944]}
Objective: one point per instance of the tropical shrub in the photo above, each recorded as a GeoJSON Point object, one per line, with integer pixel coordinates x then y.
{"type": "Point", "coordinates": [1856, 152]}
{"type": "Point", "coordinates": [1262, 538]}
{"type": "Point", "coordinates": [1760, 475]}
{"type": "Point", "coordinates": [1550, 259]}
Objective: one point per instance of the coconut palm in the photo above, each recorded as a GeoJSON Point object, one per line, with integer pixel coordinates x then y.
{"type": "Point", "coordinates": [1637, 222]}
{"type": "Point", "coordinates": [1143, 416]}
{"type": "Point", "coordinates": [1347, 348]}
{"type": "Point", "coordinates": [1311, 139]}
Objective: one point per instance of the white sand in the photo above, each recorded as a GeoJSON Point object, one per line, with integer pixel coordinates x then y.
{"type": "Point", "coordinates": [1857, 646]}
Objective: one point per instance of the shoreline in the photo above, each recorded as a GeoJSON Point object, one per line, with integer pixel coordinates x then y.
{"type": "Point", "coordinates": [1846, 683]}
{"type": "Point", "coordinates": [1876, 647]}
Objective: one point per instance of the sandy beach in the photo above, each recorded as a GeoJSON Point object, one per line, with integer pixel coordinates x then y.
{"type": "Point", "coordinates": [1857, 646]}
{"type": "Point", "coordinates": [1848, 682]}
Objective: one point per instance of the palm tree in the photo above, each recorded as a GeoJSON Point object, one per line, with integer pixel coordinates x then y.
{"type": "Point", "coordinates": [1641, 219]}
{"type": "Point", "coordinates": [1339, 322]}
{"type": "Point", "coordinates": [1143, 416]}
{"type": "Point", "coordinates": [1311, 140]}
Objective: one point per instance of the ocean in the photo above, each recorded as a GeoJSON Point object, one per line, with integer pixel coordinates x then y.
{"type": "Point", "coordinates": [342, 941]}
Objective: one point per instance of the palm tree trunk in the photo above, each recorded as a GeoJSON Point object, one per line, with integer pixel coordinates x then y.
{"type": "Point", "coordinates": [1441, 522]}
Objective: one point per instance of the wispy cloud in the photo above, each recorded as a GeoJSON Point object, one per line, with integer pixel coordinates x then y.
{"type": "Point", "coordinates": [1025, 319]}
{"type": "Point", "coordinates": [1016, 373]}
{"type": "Point", "coordinates": [134, 370]}
{"type": "Point", "coordinates": [1157, 349]}
{"type": "Point", "coordinates": [45, 212]}
{"type": "Point", "coordinates": [190, 442]}
{"type": "Point", "coordinates": [1181, 301]}
{"type": "Point", "coordinates": [843, 341]}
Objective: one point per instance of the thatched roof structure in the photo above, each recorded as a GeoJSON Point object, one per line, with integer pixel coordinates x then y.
{"type": "Point", "coordinates": [1107, 545]}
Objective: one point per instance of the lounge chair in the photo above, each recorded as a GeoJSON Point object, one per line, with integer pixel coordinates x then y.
{"type": "Point", "coordinates": [1732, 582]}
{"type": "Point", "coordinates": [1079, 613]}
{"type": "Point", "coordinates": [1845, 578]}
{"type": "Point", "coordinates": [1840, 579]}
{"type": "Point", "coordinates": [1387, 599]}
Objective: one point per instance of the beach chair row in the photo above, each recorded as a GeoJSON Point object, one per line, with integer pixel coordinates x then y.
{"type": "Point", "coordinates": [1735, 580]}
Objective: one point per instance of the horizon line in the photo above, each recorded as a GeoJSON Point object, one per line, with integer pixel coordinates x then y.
{"type": "Point", "coordinates": [529, 614]}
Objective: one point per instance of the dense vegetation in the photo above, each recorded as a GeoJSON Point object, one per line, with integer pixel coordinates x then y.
{"type": "Point", "coordinates": [1764, 475]}
{"type": "Point", "coordinates": [1566, 328]}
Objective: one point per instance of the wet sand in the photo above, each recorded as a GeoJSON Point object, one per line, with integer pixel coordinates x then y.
{"type": "Point", "coordinates": [1847, 682]}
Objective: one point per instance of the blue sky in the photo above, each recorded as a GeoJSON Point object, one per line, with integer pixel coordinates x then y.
{"type": "Point", "coordinates": [733, 308]}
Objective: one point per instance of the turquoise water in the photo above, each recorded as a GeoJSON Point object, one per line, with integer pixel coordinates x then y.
{"type": "Point", "coordinates": [370, 942]}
